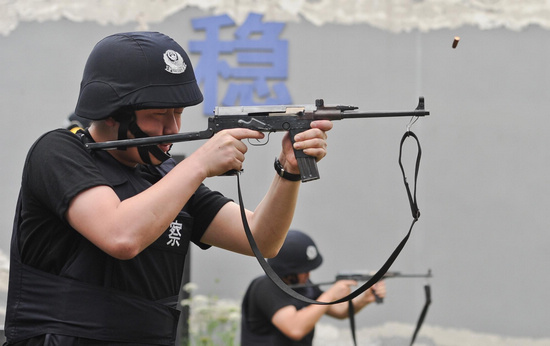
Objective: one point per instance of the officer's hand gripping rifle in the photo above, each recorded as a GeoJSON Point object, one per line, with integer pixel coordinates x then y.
{"type": "Point", "coordinates": [291, 118]}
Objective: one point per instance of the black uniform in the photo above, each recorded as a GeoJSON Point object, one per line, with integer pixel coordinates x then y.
{"type": "Point", "coordinates": [261, 301]}
{"type": "Point", "coordinates": [62, 287]}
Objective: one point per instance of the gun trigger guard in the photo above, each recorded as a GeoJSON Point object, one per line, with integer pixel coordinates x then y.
{"type": "Point", "coordinates": [260, 143]}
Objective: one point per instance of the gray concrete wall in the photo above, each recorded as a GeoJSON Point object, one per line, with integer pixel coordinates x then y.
{"type": "Point", "coordinates": [483, 187]}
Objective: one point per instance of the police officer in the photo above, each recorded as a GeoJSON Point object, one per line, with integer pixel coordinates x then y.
{"type": "Point", "coordinates": [271, 317]}
{"type": "Point", "coordinates": [100, 237]}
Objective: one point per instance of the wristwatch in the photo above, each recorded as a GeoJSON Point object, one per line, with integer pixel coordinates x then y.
{"type": "Point", "coordinates": [284, 174]}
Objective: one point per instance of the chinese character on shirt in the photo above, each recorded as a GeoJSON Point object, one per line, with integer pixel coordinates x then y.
{"type": "Point", "coordinates": [175, 233]}
{"type": "Point", "coordinates": [260, 56]}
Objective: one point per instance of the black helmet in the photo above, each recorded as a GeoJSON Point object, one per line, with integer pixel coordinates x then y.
{"type": "Point", "coordinates": [298, 254]}
{"type": "Point", "coordinates": [136, 70]}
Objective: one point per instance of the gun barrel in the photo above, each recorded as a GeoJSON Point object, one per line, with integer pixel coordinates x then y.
{"type": "Point", "coordinates": [355, 115]}
{"type": "Point", "coordinates": [365, 277]}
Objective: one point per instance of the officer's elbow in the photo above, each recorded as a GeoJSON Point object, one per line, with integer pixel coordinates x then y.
{"type": "Point", "coordinates": [123, 250]}
{"type": "Point", "coordinates": [270, 252]}
{"type": "Point", "coordinates": [296, 334]}
{"type": "Point", "coordinates": [272, 249]}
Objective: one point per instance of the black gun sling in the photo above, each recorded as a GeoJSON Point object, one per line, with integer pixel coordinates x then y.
{"type": "Point", "coordinates": [377, 276]}
{"type": "Point", "coordinates": [427, 291]}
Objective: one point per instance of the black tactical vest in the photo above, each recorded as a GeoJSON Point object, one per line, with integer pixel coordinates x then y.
{"type": "Point", "coordinates": [80, 309]}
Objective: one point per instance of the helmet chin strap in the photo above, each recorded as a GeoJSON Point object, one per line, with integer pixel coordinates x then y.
{"type": "Point", "coordinates": [128, 122]}
{"type": "Point", "coordinates": [144, 151]}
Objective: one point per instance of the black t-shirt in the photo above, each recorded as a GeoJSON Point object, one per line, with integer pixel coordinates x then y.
{"type": "Point", "coordinates": [58, 167]}
{"type": "Point", "coordinates": [56, 170]}
{"type": "Point", "coordinates": [261, 301]}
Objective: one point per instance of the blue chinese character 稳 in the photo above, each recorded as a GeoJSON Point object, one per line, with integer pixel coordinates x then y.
{"type": "Point", "coordinates": [256, 50]}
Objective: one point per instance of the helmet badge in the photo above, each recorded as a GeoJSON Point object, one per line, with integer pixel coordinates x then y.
{"type": "Point", "coordinates": [311, 252]}
{"type": "Point", "coordinates": [174, 62]}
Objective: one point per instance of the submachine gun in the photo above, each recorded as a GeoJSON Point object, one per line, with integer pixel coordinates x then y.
{"type": "Point", "coordinates": [276, 118]}
{"type": "Point", "coordinates": [364, 276]}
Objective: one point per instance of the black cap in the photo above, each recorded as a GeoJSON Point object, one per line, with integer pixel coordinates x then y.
{"type": "Point", "coordinates": [299, 254]}
{"type": "Point", "coordinates": [136, 70]}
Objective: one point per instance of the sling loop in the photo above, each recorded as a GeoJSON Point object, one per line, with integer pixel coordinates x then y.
{"type": "Point", "coordinates": [375, 278]}
{"type": "Point", "coordinates": [412, 197]}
